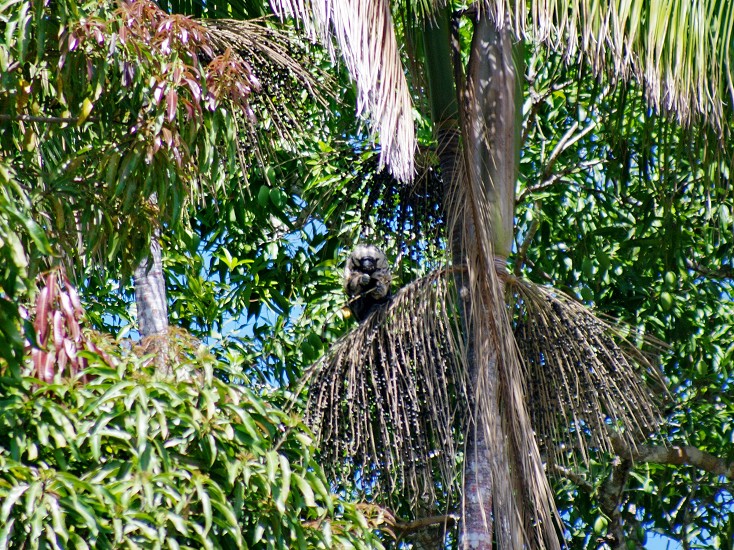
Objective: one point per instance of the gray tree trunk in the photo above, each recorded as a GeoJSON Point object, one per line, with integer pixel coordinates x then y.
{"type": "Point", "coordinates": [151, 303]}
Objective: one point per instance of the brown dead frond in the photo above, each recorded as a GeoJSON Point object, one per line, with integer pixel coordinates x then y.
{"type": "Point", "coordinates": [174, 352]}
{"type": "Point", "coordinates": [387, 401]}
{"type": "Point", "coordinates": [585, 382]}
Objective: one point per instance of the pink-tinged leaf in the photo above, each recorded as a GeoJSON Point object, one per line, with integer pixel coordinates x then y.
{"type": "Point", "coordinates": [128, 74]}
{"type": "Point", "coordinates": [171, 104]}
{"type": "Point", "coordinates": [74, 297]}
{"type": "Point", "coordinates": [255, 83]}
{"type": "Point", "coordinates": [177, 75]}
{"type": "Point", "coordinates": [90, 70]}
{"type": "Point", "coordinates": [46, 366]}
{"type": "Point", "coordinates": [195, 89]}
{"type": "Point", "coordinates": [184, 36]}
{"type": "Point", "coordinates": [112, 49]}
{"type": "Point", "coordinates": [167, 136]}
{"type": "Point", "coordinates": [75, 330]}
{"type": "Point", "coordinates": [41, 322]}
{"type": "Point", "coordinates": [51, 285]}
{"type": "Point", "coordinates": [210, 102]}
{"type": "Point", "coordinates": [59, 332]}
{"type": "Point", "coordinates": [60, 364]}
{"type": "Point", "coordinates": [70, 350]}
{"type": "Point", "coordinates": [166, 46]}
{"type": "Point", "coordinates": [250, 114]}
{"type": "Point", "coordinates": [66, 306]}
{"type": "Point", "coordinates": [72, 43]}
{"type": "Point", "coordinates": [37, 358]}
{"type": "Point", "coordinates": [158, 93]}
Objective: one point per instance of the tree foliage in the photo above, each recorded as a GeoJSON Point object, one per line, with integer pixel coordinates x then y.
{"type": "Point", "coordinates": [116, 456]}
{"type": "Point", "coordinates": [622, 209]}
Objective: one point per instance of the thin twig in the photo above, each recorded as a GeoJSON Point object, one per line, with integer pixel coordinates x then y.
{"type": "Point", "coordinates": [552, 179]}
{"type": "Point", "coordinates": [523, 252]}
{"type": "Point", "coordinates": [575, 477]}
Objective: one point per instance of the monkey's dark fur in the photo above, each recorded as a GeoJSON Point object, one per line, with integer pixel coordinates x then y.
{"type": "Point", "coordinates": [367, 280]}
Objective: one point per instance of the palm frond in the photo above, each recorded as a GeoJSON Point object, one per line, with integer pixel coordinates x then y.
{"type": "Point", "coordinates": [280, 63]}
{"type": "Point", "coordinates": [585, 381]}
{"type": "Point", "coordinates": [680, 51]}
{"type": "Point", "coordinates": [388, 399]}
{"type": "Point", "coordinates": [365, 36]}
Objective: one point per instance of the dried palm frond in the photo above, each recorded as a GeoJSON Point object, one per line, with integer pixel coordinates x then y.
{"type": "Point", "coordinates": [388, 399]}
{"type": "Point", "coordinates": [585, 381]}
{"type": "Point", "coordinates": [365, 36]}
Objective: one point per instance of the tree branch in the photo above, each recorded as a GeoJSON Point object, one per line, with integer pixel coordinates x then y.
{"type": "Point", "coordinates": [553, 178]}
{"type": "Point", "coordinates": [578, 479]}
{"type": "Point", "coordinates": [610, 500]}
{"type": "Point", "coordinates": [724, 272]}
{"type": "Point", "coordinates": [684, 455]}
{"type": "Point", "coordinates": [611, 493]}
{"type": "Point", "coordinates": [523, 252]}
{"type": "Point", "coordinates": [48, 119]}
{"type": "Point", "coordinates": [675, 455]}
{"type": "Point", "coordinates": [384, 519]}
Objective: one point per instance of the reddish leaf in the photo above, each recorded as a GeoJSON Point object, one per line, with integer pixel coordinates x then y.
{"type": "Point", "coordinates": [171, 104]}
{"type": "Point", "coordinates": [195, 89]}
{"type": "Point", "coordinates": [66, 306]}
{"type": "Point", "coordinates": [72, 43]}
{"type": "Point", "coordinates": [45, 370]}
{"type": "Point", "coordinates": [59, 331]}
{"type": "Point", "coordinates": [60, 365]}
{"type": "Point", "coordinates": [70, 350]}
{"type": "Point", "coordinates": [158, 93]}
{"type": "Point", "coordinates": [41, 322]}
{"type": "Point", "coordinates": [167, 136]}
{"type": "Point", "coordinates": [74, 297]}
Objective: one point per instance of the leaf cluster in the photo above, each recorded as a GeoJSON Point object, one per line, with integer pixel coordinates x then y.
{"type": "Point", "coordinates": [112, 119]}
{"type": "Point", "coordinates": [128, 458]}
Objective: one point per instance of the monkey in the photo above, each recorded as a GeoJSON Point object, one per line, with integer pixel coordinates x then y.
{"type": "Point", "coordinates": [367, 280]}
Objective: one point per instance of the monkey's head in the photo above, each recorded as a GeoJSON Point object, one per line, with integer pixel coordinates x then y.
{"type": "Point", "coordinates": [367, 259]}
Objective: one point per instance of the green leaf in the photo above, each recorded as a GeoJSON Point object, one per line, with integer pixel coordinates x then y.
{"type": "Point", "coordinates": [10, 499]}
{"type": "Point", "coordinates": [305, 489]}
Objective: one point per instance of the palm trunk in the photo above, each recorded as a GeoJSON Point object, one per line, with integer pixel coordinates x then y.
{"type": "Point", "coordinates": [503, 473]}
{"type": "Point", "coordinates": [150, 300]}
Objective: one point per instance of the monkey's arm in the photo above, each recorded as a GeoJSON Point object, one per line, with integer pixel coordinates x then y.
{"type": "Point", "coordinates": [382, 280]}
{"type": "Point", "coordinates": [356, 282]}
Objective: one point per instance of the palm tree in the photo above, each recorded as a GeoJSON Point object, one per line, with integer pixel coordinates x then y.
{"type": "Point", "coordinates": [680, 52]}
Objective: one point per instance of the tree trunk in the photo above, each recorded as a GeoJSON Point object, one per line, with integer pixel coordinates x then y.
{"type": "Point", "coordinates": [152, 307]}
{"type": "Point", "coordinates": [478, 148]}
{"type": "Point", "coordinates": [443, 72]}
